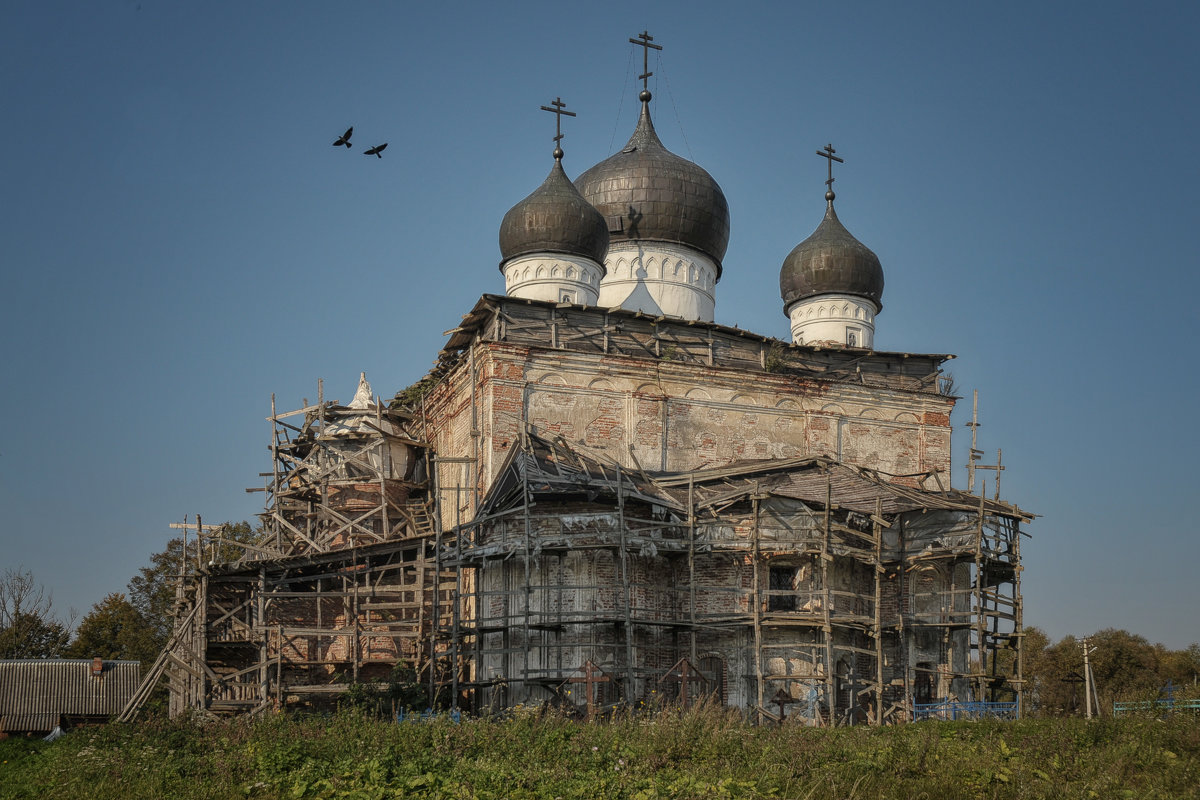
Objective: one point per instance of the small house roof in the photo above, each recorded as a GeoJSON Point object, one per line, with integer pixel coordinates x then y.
{"type": "Point", "coordinates": [35, 693]}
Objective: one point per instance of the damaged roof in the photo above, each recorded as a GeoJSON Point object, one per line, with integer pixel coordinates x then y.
{"type": "Point", "coordinates": [554, 467]}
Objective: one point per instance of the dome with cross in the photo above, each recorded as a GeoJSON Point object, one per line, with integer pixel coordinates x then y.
{"type": "Point", "coordinates": [831, 283]}
{"type": "Point", "coordinates": [553, 243]}
{"type": "Point", "coordinates": [648, 193]}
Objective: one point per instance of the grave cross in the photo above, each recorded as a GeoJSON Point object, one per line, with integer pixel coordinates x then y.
{"type": "Point", "coordinates": [593, 676]}
{"type": "Point", "coordinates": [781, 699]}
{"type": "Point", "coordinates": [685, 674]}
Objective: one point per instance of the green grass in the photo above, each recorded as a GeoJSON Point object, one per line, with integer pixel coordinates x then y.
{"type": "Point", "coordinates": [706, 754]}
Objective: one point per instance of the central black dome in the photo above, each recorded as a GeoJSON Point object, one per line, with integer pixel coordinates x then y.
{"type": "Point", "coordinates": [646, 192]}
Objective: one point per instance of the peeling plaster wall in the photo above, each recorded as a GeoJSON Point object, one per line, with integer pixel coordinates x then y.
{"type": "Point", "coordinates": [675, 415]}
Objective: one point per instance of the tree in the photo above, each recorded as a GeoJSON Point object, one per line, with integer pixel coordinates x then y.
{"type": "Point", "coordinates": [152, 589]}
{"type": "Point", "coordinates": [114, 629]}
{"type": "Point", "coordinates": [31, 636]}
{"type": "Point", "coordinates": [1181, 667]}
{"type": "Point", "coordinates": [1126, 667]}
{"type": "Point", "coordinates": [29, 627]}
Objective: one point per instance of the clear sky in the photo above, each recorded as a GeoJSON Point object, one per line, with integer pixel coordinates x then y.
{"type": "Point", "coordinates": [179, 239]}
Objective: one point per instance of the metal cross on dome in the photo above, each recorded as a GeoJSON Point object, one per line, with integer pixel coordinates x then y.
{"type": "Point", "coordinates": [558, 112]}
{"type": "Point", "coordinates": [643, 40]}
{"type": "Point", "coordinates": [828, 152]}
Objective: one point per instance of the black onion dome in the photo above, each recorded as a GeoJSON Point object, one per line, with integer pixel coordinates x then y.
{"type": "Point", "coordinates": [658, 196]}
{"type": "Point", "coordinates": [831, 261]}
{"type": "Point", "coordinates": [554, 219]}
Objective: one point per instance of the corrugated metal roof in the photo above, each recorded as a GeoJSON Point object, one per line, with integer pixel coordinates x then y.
{"type": "Point", "coordinates": [35, 690]}
{"type": "Point", "coordinates": [29, 723]}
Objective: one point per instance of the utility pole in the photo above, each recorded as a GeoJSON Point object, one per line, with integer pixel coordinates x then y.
{"type": "Point", "coordinates": [1089, 690]}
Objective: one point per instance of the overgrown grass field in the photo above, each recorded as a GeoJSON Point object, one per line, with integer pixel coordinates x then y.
{"type": "Point", "coordinates": [700, 754]}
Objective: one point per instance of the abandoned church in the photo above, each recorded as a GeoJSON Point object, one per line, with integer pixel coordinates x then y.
{"type": "Point", "coordinates": [600, 497]}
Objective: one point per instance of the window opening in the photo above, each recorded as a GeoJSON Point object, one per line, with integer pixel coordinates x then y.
{"type": "Point", "coordinates": [782, 579]}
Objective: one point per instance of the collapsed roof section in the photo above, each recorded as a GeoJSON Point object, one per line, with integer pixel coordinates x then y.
{"type": "Point", "coordinates": [555, 468]}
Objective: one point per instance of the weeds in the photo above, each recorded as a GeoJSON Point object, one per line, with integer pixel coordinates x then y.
{"type": "Point", "coordinates": [702, 753]}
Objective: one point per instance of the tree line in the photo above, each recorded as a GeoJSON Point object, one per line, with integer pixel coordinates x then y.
{"type": "Point", "coordinates": [1125, 666]}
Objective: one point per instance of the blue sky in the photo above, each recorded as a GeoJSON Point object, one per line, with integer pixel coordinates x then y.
{"type": "Point", "coordinates": [179, 239]}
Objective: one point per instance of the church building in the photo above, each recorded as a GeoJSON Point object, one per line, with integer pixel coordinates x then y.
{"type": "Point", "coordinates": [600, 497]}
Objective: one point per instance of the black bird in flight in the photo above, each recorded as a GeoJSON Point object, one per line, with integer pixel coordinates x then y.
{"type": "Point", "coordinates": [375, 151]}
{"type": "Point", "coordinates": [344, 139]}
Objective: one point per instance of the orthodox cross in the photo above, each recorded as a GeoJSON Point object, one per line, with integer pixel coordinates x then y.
{"type": "Point", "coordinates": [685, 675]}
{"type": "Point", "coordinates": [781, 699]}
{"type": "Point", "coordinates": [558, 112]}
{"type": "Point", "coordinates": [643, 40]}
{"type": "Point", "coordinates": [593, 676]}
{"type": "Point", "coordinates": [828, 152]}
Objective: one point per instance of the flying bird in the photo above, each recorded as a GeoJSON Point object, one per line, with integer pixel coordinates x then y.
{"type": "Point", "coordinates": [375, 151]}
{"type": "Point", "coordinates": [344, 139]}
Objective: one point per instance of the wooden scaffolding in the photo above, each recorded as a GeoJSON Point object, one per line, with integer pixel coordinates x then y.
{"type": "Point", "coordinates": [797, 588]}
{"type": "Point", "coordinates": [343, 584]}
{"type": "Point", "coordinates": [816, 588]}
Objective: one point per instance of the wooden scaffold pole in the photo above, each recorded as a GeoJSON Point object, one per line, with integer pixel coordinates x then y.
{"type": "Point", "coordinates": [756, 602]}
{"type": "Point", "coordinates": [827, 627]}
{"type": "Point", "coordinates": [692, 565]}
{"type": "Point", "coordinates": [626, 597]}
{"type": "Point", "coordinates": [877, 630]}
{"type": "Point", "coordinates": [1019, 618]}
{"type": "Point", "coordinates": [980, 615]}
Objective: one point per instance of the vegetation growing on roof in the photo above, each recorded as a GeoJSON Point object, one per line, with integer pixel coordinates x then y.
{"type": "Point", "coordinates": [776, 358]}
{"type": "Point", "coordinates": [411, 396]}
